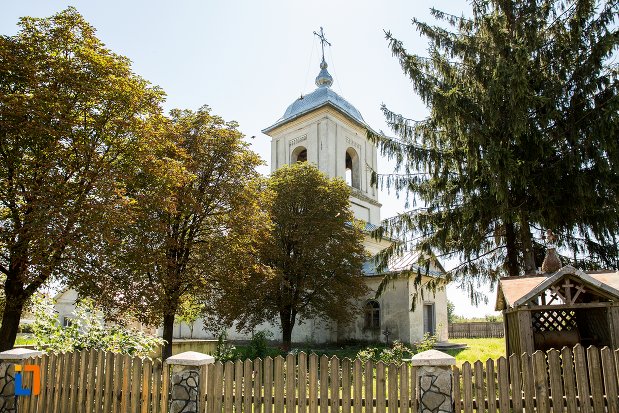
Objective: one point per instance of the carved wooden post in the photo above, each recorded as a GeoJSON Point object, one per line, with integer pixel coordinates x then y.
{"type": "Point", "coordinates": [186, 376]}
{"type": "Point", "coordinates": [434, 381]}
{"type": "Point", "coordinates": [8, 360]}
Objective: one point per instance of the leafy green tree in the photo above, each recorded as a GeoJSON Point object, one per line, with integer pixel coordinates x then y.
{"type": "Point", "coordinates": [521, 137]}
{"type": "Point", "coordinates": [185, 233]}
{"type": "Point", "coordinates": [189, 311]}
{"type": "Point", "coordinates": [73, 123]}
{"type": "Point", "coordinates": [314, 256]}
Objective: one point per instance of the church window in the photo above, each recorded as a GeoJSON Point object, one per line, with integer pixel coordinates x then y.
{"type": "Point", "coordinates": [352, 168]}
{"type": "Point", "coordinates": [372, 315]}
{"type": "Point", "coordinates": [299, 155]}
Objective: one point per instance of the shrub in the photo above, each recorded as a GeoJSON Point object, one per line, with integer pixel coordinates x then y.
{"type": "Point", "coordinates": [224, 351]}
{"type": "Point", "coordinates": [86, 331]}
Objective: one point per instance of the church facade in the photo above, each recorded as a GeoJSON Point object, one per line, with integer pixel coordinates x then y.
{"type": "Point", "coordinates": [326, 130]}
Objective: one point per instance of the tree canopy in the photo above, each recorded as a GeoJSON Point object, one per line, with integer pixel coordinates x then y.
{"type": "Point", "coordinates": [313, 256]}
{"type": "Point", "coordinates": [73, 122]}
{"type": "Point", "coordinates": [184, 233]}
{"type": "Point", "coordinates": [521, 137]}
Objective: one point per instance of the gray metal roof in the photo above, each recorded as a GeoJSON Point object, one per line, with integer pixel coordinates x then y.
{"type": "Point", "coordinates": [407, 262]}
{"type": "Point", "coordinates": [320, 97]}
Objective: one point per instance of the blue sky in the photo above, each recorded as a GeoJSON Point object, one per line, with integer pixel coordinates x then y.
{"type": "Point", "coordinates": [248, 60]}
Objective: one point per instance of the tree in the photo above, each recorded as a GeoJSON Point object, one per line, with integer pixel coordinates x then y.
{"type": "Point", "coordinates": [73, 123]}
{"type": "Point", "coordinates": [521, 135]}
{"type": "Point", "coordinates": [186, 232]}
{"type": "Point", "coordinates": [314, 254]}
{"type": "Point", "coordinates": [189, 311]}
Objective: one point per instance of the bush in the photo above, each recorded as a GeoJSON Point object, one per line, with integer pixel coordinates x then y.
{"type": "Point", "coordinates": [86, 331]}
{"type": "Point", "coordinates": [427, 343]}
{"type": "Point", "coordinates": [395, 354]}
{"type": "Point", "coordinates": [224, 351]}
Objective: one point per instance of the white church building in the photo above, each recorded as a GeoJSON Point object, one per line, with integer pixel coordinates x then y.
{"type": "Point", "coordinates": [325, 129]}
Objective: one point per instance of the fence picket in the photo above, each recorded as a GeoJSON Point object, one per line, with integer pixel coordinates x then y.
{"type": "Point", "coordinates": [392, 388]}
{"type": "Point", "coordinates": [228, 386]}
{"type": "Point", "coordinates": [324, 384]}
{"type": "Point", "coordinates": [279, 384]}
{"type": "Point", "coordinates": [346, 400]}
{"type": "Point", "coordinates": [467, 387]}
{"type": "Point", "coordinates": [540, 378]}
{"type": "Point", "coordinates": [556, 381]}
{"type": "Point", "coordinates": [124, 400]}
{"type": "Point", "coordinates": [334, 381]}
{"type": "Point", "coordinates": [480, 399]}
{"type": "Point", "coordinates": [380, 387]}
{"type": "Point", "coordinates": [503, 385]}
{"type": "Point", "coordinates": [109, 376]}
{"type": "Point", "coordinates": [610, 380]}
{"type": "Point", "coordinates": [90, 381]}
{"type": "Point", "coordinates": [582, 380]}
{"type": "Point", "coordinates": [404, 396]}
{"type": "Point", "coordinates": [313, 383]}
{"type": "Point", "coordinates": [147, 371]}
{"type": "Point", "coordinates": [156, 394]}
{"type": "Point", "coordinates": [210, 388]}
{"type": "Point", "coordinates": [247, 385]}
{"type": "Point", "coordinates": [268, 385]}
{"type": "Point", "coordinates": [528, 386]}
{"type": "Point", "coordinates": [302, 382]}
{"type": "Point", "coordinates": [98, 382]}
{"type": "Point", "coordinates": [456, 379]}
{"type": "Point", "coordinates": [165, 387]}
{"type": "Point", "coordinates": [41, 397]}
{"type": "Point", "coordinates": [291, 383]}
{"type": "Point", "coordinates": [118, 378]}
{"type": "Point", "coordinates": [490, 386]}
{"type": "Point", "coordinates": [357, 380]}
{"type": "Point", "coordinates": [257, 375]}
{"type": "Point", "coordinates": [218, 375]}
{"type": "Point", "coordinates": [516, 383]}
{"type": "Point", "coordinates": [49, 397]}
{"type": "Point", "coordinates": [135, 384]}
{"type": "Point", "coordinates": [369, 388]}
{"type": "Point", "coordinates": [595, 378]}
{"type": "Point", "coordinates": [61, 371]}
{"type": "Point", "coordinates": [569, 380]}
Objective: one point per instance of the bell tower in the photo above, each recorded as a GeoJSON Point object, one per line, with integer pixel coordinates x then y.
{"type": "Point", "coordinates": [324, 128]}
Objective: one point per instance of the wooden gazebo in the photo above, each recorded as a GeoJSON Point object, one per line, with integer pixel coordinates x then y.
{"type": "Point", "coordinates": [560, 309]}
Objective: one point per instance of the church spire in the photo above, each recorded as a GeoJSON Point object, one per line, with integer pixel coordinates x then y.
{"type": "Point", "coordinates": [323, 79]}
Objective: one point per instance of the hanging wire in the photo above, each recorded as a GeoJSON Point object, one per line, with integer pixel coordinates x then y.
{"type": "Point", "coordinates": [334, 71]}
{"type": "Point", "coordinates": [309, 64]}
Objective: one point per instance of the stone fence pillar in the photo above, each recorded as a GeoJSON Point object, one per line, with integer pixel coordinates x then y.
{"type": "Point", "coordinates": [434, 381]}
{"type": "Point", "coordinates": [8, 360]}
{"type": "Point", "coordinates": [185, 382]}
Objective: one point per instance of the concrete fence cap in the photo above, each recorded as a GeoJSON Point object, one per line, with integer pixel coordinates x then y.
{"type": "Point", "coordinates": [190, 358]}
{"type": "Point", "coordinates": [19, 353]}
{"type": "Point", "coordinates": [433, 358]}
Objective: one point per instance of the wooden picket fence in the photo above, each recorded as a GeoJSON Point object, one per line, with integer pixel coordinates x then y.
{"type": "Point", "coordinates": [569, 380]}
{"type": "Point", "coordinates": [480, 329]}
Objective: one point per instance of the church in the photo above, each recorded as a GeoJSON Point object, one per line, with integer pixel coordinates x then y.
{"type": "Point", "coordinates": [325, 129]}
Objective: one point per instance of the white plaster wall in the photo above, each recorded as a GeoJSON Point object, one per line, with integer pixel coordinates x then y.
{"type": "Point", "coordinates": [327, 134]}
{"type": "Point", "coordinates": [439, 299]}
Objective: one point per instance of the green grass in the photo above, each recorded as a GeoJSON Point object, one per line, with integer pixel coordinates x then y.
{"type": "Point", "coordinates": [479, 349]}
{"type": "Point", "coordinates": [23, 340]}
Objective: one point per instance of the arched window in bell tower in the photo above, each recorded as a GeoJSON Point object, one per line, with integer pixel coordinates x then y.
{"type": "Point", "coordinates": [352, 168]}
{"type": "Point", "coordinates": [299, 154]}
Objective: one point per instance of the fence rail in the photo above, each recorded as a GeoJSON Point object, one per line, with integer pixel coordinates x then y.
{"type": "Point", "coordinates": [578, 380]}
{"type": "Point", "coordinates": [479, 329]}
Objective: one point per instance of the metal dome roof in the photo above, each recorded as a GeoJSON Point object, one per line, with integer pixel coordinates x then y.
{"type": "Point", "coordinates": [322, 96]}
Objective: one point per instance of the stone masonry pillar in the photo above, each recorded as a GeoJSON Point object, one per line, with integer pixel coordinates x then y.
{"type": "Point", "coordinates": [434, 381]}
{"type": "Point", "coordinates": [8, 360]}
{"type": "Point", "coordinates": [185, 382]}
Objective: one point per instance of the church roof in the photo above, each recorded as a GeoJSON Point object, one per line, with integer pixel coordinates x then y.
{"type": "Point", "coordinates": [322, 96]}
{"type": "Point", "coordinates": [407, 262]}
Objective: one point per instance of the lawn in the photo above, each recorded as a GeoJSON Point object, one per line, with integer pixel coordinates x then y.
{"type": "Point", "coordinates": [479, 349]}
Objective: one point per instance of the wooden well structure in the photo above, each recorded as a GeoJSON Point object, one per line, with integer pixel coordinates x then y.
{"type": "Point", "coordinates": [559, 309]}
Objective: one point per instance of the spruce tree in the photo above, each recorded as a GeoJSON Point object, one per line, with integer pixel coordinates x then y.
{"type": "Point", "coordinates": [522, 135]}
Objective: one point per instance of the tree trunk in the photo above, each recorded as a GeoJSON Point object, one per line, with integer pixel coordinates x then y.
{"type": "Point", "coordinates": [168, 334]}
{"type": "Point", "coordinates": [528, 254]}
{"type": "Point", "coordinates": [287, 319]}
{"type": "Point", "coordinates": [511, 262]}
{"type": "Point", "coordinates": [10, 323]}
